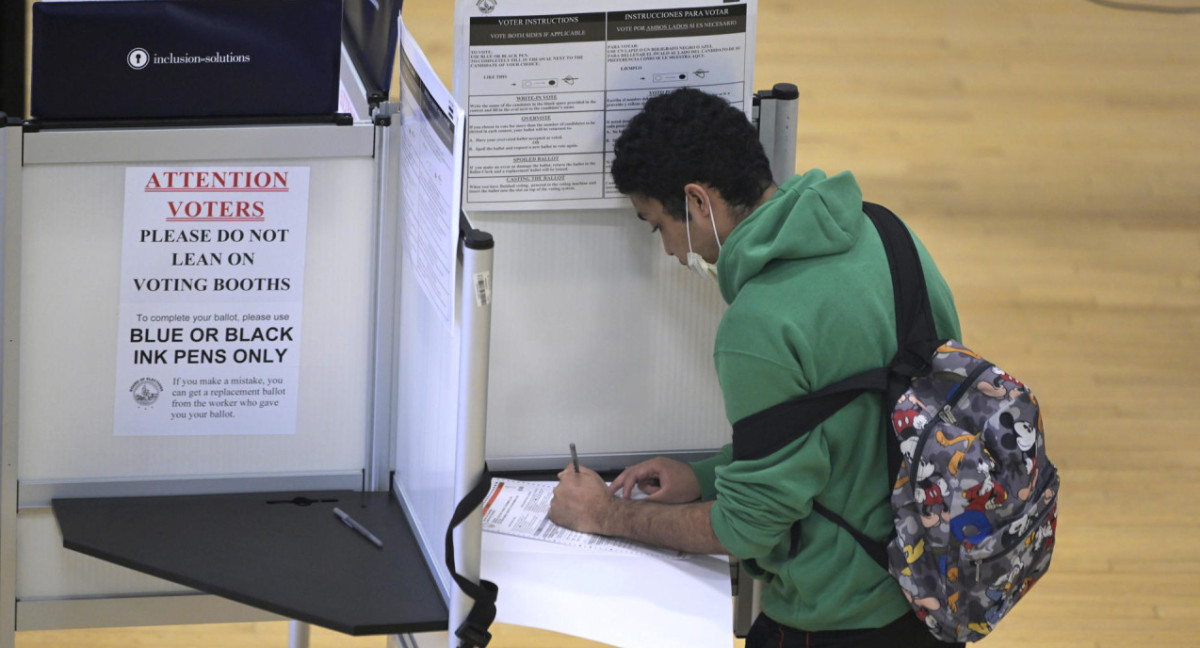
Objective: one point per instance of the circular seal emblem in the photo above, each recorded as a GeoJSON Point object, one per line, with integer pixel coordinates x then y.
{"type": "Point", "coordinates": [145, 391]}
{"type": "Point", "coordinates": [137, 58]}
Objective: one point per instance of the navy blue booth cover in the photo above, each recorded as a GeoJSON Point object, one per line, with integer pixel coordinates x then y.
{"type": "Point", "coordinates": [164, 59]}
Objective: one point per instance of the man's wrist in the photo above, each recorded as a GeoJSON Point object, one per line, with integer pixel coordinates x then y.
{"type": "Point", "coordinates": [685, 527]}
{"type": "Point", "coordinates": [615, 520]}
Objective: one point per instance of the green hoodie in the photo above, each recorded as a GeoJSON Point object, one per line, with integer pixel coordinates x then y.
{"type": "Point", "coordinates": [810, 302]}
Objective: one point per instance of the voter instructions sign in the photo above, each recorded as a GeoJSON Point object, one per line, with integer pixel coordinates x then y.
{"type": "Point", "coordinates": [212, 285]}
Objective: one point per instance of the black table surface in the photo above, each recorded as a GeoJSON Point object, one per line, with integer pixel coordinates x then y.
{"type": "Point", "coordinates": [286, 553]}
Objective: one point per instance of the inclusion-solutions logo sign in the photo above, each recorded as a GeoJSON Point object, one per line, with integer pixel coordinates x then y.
{"type": "Point", "coordinates": [137, 58]}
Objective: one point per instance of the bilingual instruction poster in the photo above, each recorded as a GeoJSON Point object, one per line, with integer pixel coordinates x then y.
{"type": "Point", "coordinates": [212, 285]}
{"type": "Point", "coordinates": [549, 93]}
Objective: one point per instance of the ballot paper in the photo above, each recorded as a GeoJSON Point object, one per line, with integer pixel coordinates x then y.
{"type": "Point", "coordinates": [521, 508]}
{"type": "Point", "coordinates": [594, 587]}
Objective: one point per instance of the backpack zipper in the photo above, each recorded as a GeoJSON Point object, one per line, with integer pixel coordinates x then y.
{"type": "Point", "coordinates": [1041, 519]}
{"type": "Point", "coordinates": [968, 383]}
{"type": "Point", "coordinates": [946, 415]}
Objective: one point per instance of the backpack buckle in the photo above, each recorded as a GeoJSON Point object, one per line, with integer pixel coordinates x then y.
{"type": "Point", "coordinates": [910, 364]}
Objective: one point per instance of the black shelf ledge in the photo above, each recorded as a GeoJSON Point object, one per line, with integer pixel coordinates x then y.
{"type": "Point", "coordinates": [284, 552]}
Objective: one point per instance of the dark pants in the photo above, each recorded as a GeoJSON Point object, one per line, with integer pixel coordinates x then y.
{"type": "Point", "coordinates": [905, 632]}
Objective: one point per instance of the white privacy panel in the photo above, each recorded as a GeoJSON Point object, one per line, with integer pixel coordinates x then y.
{"type": "Point", "coordinates": [598, 338]}
{"type": "Point", "coordinates": [70, 273]}
{"type": "Point", "coordinates": [426, 417]}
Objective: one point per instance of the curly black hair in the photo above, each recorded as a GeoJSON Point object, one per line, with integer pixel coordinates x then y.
{"type": "Point", "coordinates": [689, 136]}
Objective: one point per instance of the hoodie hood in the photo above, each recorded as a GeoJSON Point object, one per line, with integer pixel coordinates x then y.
{"type": "Point", "coordinates": [809, 216]}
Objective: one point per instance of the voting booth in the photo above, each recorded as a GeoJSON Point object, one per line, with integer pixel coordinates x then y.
{"type": "Point", "coordinates": [226, 333]}
{"type": "Point", "coordinates": [241, 380]}
{"type": "Point", "coordinates": [599, 339]}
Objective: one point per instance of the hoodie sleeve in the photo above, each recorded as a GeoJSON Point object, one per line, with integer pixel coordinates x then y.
{"type": "Point", "coordinates": [758, 500]}
{"type": "Point", "coordinates": [706, 471]}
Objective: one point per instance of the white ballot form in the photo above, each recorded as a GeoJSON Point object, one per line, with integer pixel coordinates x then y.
{"type": "Point", "coordinates": [606, 589]}
{"type": "Point", "coordinates": [521, 508]}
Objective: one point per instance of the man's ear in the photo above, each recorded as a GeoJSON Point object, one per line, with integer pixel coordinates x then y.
{"type": "Point", "coordinates": [699, 197]}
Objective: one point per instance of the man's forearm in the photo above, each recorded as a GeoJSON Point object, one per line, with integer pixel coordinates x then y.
{"type": "Point", "coordinates": [684, 527]}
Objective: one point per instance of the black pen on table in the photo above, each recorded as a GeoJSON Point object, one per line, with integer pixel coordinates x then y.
{"type": "Point", "coordinates": [353, 524]}
{"type": "Point", "coordinates": [574, 458]}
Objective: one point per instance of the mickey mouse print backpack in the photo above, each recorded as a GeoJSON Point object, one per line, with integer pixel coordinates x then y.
{"type": "Point", "coordinates": [975, 498]}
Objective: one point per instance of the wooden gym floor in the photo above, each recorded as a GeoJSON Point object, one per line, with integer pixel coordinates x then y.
{"type": "Point", "coordinates": [1048, 152]}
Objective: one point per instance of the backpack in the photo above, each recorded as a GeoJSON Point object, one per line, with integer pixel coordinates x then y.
{"type": "Point", "coordinates": [974, 497]}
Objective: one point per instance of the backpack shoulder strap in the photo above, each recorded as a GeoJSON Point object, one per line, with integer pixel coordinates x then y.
{"type": "Point", "coordinates": [769, 430]}
{"type": "Point", "coordinates": [916, 334]}
{"type": "Point", "coordinates": [915, 329]}
{"type": "Point", "coordinates": [765, 432]}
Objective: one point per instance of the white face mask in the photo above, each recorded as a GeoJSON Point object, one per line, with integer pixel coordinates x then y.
{"type": "Point", "coordinates": [696, 263]}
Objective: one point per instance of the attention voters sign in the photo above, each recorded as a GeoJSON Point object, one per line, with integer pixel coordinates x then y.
{"type": "Point", "coordinates": [212, 289]}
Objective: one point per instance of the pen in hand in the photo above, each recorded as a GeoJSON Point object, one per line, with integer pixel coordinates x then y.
{"type": "Point", "coordinates": [350, 522]}
{"type": "Point", "coordinates": [574, 458]}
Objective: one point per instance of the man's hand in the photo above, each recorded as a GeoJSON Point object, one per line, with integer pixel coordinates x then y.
{"type": "Point", "coordinates": [581, 501]}
{"type": "Point", "coordinates": [663, 480]}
